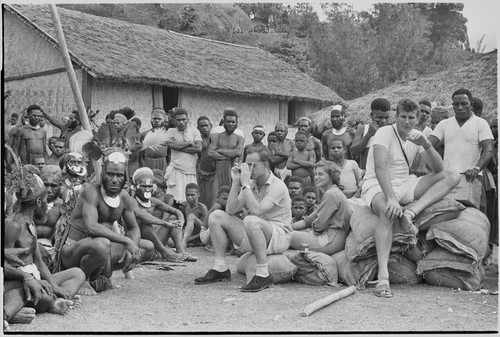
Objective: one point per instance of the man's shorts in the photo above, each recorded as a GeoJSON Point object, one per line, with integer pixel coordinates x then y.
{"type": "Point", "coordinates": [403, 188]}
{"type": "Point", "coordinates": [280, 241]}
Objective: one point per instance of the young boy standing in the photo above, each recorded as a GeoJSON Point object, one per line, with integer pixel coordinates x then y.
{"type": "Point", "coordinates": [300, 161]}
{"type": "Point", "coordinates": [195, 213]}
{"type": "Point", "coordinates": [258, 134]}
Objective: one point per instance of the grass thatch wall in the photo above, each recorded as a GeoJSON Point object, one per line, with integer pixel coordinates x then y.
{"type": "Point", "coordinates": [25, 52]}
{"type": "Point", "coordinates": [478, 74]}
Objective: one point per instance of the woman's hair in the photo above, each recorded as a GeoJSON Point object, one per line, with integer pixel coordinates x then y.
{"type": "Point", "coordinates": [330, 169]}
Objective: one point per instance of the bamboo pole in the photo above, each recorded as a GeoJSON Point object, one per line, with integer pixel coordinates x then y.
{"type": "Point", "coordinates": [323, 302]}
{"type": "Point", "coordinates": [84, 119]}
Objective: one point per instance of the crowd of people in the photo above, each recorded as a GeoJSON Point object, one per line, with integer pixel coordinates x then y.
{"type": "Point", "coordinates": [79, 208]}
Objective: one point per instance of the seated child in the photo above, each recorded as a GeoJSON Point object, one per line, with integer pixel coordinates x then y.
{"type": "Point", "coordinates": [312, 199]}
{"type": "Point", "coordinates": [295, 186]}
{"type": "Point", "coordinates": [299, 208]}
{"type": "Point", "coordinates": [350, 173]}
{"type": "Point", "coordinates": [300, 161]}
{"type": "Point", "coordinates": [195, 213]}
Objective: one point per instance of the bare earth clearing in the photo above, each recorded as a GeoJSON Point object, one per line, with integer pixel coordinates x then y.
{"type": "Point", "coordinates": [168, 301]}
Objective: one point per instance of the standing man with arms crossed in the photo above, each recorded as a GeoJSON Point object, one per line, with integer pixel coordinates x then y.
{"type": "Point", "coordinates": [389, 189]}
{"type": "Point", "coordinates": [30, 139]}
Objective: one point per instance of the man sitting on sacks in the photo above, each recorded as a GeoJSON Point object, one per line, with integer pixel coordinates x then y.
{"type": "Point", "coordinates": [89, 240]}
{"type": "Point", "coordinates": [391, 191]}
{"type": "Point", "coordinates": [266, 230]}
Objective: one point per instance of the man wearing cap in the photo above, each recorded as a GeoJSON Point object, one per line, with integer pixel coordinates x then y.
{"type": "Point", "coordinates": [339, 131]}
{"type": "Point", "coordinates": [258, 133]}
{"type": "Point", "coordinates": [313, 144]}
{"type": "Point", "coordinates": [281, 150]}
{"type": "Point", "coordinates": [155, 158]}
{"type": "Point", "coordinates": [89, 241]}
{"type": "Point", "coordinates": [225, 148]}
{"type": "Point", "coordinates": [185, 144]}
{"type": "Point", "coordinates": [380, 114]}
{"type": "Point", "coordinates": [74, 125]}
{"type": "Point", "coordinates": [47, 292]}
{"type": "Point", "coordinates": [153, 227]}
{"type": "Point", "coordinates": [30, 139]}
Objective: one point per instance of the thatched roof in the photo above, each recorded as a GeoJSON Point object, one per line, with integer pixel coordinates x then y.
{"type": "Point", "coordinates": [116, 50]}
{"type": "Point", "coordinates": [478, 74]}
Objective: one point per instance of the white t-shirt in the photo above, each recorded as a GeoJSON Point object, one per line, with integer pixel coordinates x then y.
{"type": "Point", "coordinates": [183, 161]}
{"type": "Point", "coordinates": [396, 163]}
{"type": "Point", "coordinates": [461, 144]}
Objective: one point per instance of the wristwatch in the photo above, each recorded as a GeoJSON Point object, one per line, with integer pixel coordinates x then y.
{"type": "Point", "coordinates": [246, 186]}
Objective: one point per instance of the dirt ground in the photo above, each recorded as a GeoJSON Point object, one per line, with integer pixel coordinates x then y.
{"type": "Point", "coordinates": [168, 301]}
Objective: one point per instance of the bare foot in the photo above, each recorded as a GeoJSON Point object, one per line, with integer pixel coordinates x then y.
{"type": "Point", "coordinates": [173, 257]}
{"type": "Point", "coordinates": [24, 316]}
{"type": "Point", "coordinates": [406, 222]}
{"type": "Point", "coordinates": [129, 275]}
{"type": "Point", "coordinates": [77, 301]}
{"type": "Point", "coordinates": [86, 290]}
{"type": "Point", "coordinates": [6, 326]}
{"type": "Point", "coordinates": [61, 306]}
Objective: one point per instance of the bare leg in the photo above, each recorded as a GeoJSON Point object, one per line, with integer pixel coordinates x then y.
{"type": "Point", "coordinates": [223, 226]}
{"type": "Point", "coordinates": [337, 244]}
{"type": "Point", "coordinates": [70, 280]}
{"type": "Point", "coordinates": [14, 300]}
{"type": "Point", "coordinates": [259, 233]}
{"type": "Point", "coordinates": [149, 233]}
{"type": "Point", "coordinates": [383, 237]}
{"type": "Point", "coordinates": [188, 230]}
{"type": "Point", "coordinates": [24, 316]}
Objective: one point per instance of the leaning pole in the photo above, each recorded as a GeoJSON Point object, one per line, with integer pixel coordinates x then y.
{"type": "Point", "coordinates": [69, 69]}
{"type": "Point", "coordinates": [77, 95]}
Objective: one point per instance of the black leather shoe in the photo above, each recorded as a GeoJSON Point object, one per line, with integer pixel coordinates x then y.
{"type": "Point", "coordinates": [258, 283]}
{"type": "Point", "coordinates": [214, 276]}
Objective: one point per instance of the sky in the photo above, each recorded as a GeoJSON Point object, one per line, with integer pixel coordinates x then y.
{"type": "Point", "coordinates": [482, 16]}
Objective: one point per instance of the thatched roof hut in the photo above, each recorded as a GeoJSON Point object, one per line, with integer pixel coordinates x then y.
{"type": "Point", "coordinates": [478, 74]}
{"type": "Point", "coordinates": [114, 50]}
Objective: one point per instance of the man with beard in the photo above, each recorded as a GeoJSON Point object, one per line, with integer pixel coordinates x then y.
{"type": "Point", "coordinates": [155, 158]}
{"type": "Point", "coordinates": [206, 165]}
{"type": "Point", "coordinates": [51, 176]}
{"type": "Point", "coordinates": [153, 228]}
{"type": "Point", "coordinates": [281, 150]}
{"type": "Point", "coordinates": [57, 153]}
{"type": "Point", "coordinates": [28, 281]}
{"type": "Point", "coordinates": [89, 240]}
{"type": "Point", "coordinates": [225, 148]}
{"type": "Point", "coordinates": [73, 125]}
{"type": "Point", "coordinates": [338, 132]}
{"type": "Point", "coordinates": [185, 144]}
{"type": "Point", "coordinates": [30, 139]}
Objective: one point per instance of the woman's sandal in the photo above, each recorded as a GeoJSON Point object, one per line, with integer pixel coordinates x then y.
{"type": "Point", "coordinates": [382, 289]}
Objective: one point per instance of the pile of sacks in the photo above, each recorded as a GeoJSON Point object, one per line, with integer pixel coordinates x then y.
{"type": "Point", "coordinates": [448, 251]}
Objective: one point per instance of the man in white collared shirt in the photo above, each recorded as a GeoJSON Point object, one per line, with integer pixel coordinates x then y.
{"type": "Point", "coordinates": [266, 230]}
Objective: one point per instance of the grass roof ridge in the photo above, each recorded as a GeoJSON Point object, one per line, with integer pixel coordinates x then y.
{"type": "Point", "coordinates": [212, 40]}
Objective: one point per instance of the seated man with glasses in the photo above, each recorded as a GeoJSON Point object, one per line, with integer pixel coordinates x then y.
{"type": "Point", "coordinates": [266, 230]}
{"type": "Point", "coordinates": [89, 239]}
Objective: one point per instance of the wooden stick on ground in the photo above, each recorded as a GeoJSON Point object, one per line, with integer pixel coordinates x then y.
{"type": "Point", "coordinates": [321, 303]}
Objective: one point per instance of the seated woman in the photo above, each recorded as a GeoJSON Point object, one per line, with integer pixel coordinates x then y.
{"type": "Point", "coordinates": [331, 218]}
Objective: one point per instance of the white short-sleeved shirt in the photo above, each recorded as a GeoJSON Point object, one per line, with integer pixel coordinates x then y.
{"type": "Point", "coordinates": [461, 144]}
{"type": "Point", "coordinates": [396, 163]}
{"type": "Point", "coordinates": [185, 162]}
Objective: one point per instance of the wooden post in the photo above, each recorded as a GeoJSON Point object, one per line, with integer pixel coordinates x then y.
{"type": "Point", "coordinates": [69, 69]}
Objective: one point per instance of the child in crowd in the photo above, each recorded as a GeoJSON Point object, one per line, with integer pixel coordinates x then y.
{"type": "Point", "coordinates": [219, 204]}
{"type": "Point", "coordinates": [311, 197]}
{"type": "Point", "coordinates": [272, 139]}
{"type": "Point", "coordinates": [39, 162]}
{"type": "Point", "coordinates": [350, 173]}
{"type": "Point", "coordinates": [258, 134]}
{"type": "Point", "coordinates": [300, 161]}
{"type": "Point", "coordinates": [295, 186]}
{"type": "Point", "coordinates": [58, 150]}
{"type": "Point", "coordinates": [195, 213]}
{"type": "Point", "coordinates": [299, 209]}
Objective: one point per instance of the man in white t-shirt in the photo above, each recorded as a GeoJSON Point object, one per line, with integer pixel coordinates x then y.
{"type": "Point", "coordinates": [467, 139]}
{"type": "Point", "coordinates": [389, 186]}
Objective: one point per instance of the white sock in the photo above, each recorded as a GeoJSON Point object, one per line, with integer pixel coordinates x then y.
{"type": "Point", "coordinates": [262, 270]}
{"type": "Point", "coordinates": [220, 264]}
